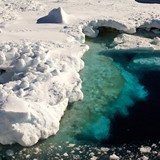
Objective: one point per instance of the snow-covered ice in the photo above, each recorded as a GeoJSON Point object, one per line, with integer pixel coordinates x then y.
{"type": "Point", "coordinates": [34, 76]}
{"type": "Point", "coordinates": [39, 63]}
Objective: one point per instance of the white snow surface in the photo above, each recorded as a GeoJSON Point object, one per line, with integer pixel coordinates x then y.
{"type": "Point", "coordinates": [39, 63]}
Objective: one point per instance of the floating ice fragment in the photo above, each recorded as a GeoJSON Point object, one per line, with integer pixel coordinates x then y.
{"type": "Point", "coordinates": [71, 145]}
{"type": "Point", "coordinates": [145, 149]}
{"type": "Point", "coordinates": [65, 154]}
{"type": "Point", "coordinates": [104, 149]}
{"type": "Point", "coordinates": [10, 152]}
{"type": "Point", "coordinates": [145, 158]}
{"type": "Point", "coordinates": [114, 157]}
{"type": "Point", "coordinates": [94, 158]}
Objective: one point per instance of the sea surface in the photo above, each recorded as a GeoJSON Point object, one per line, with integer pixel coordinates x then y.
{"type": "Point", "coordinates": [120, 112]}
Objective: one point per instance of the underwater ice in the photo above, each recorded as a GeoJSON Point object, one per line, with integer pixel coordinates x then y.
{"type": "Point", "coordinates": [109, 89]}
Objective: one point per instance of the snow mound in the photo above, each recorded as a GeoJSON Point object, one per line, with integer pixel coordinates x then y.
{"type": "Point", "coordinates": [36, 84]}
{"type": "Point", "coordinates": [56, 15]}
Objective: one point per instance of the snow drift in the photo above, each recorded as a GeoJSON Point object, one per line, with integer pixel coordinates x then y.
{"type": "Point", "coordinates": [57, 15]}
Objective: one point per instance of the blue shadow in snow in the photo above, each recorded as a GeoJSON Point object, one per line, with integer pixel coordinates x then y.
{"type": "Point", "coordinates": [54, 16]}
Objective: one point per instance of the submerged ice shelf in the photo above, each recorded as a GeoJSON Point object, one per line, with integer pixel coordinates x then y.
{"type": "Point", "coordinates": [109, 89]}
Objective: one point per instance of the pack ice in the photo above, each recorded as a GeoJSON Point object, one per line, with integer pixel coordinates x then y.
{"type": "Point", "coordinates": [36, 86]}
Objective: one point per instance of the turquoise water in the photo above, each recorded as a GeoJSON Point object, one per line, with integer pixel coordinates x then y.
{"type": "Point", "coordinates": [102, 84]}
{"type": "Point", "coordinates": [109, 90]}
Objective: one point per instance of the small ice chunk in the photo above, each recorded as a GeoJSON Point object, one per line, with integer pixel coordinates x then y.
{"type": "Point", "coordinates": [75, 156]}
{"type": "Point", "coordinates": [65, 154]}
{"type": "Point", "coordinates": [114, 157]}
{"type": "Point", "coordinates": [10, 152]}
{"type": "Point", "coordinates": [37, 150]}
{"type": "Point", "coordinates": [27, 156]}
{"type": "Point", "coordinates": [91, 154]}
{"type": "Point", "coordinates": [145, 158]}
{"type": "Point", "coordinates": [154, 145]}
{"type": "Point", "coordinates": [104, 149]}
{"type": "Point", "coordinates": [71, 145]}
{"type": "Point", "coordinates": [145, 149]}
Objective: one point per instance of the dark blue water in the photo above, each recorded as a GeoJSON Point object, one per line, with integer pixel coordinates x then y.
{"type": "Point", "coordinates": [142, 124]}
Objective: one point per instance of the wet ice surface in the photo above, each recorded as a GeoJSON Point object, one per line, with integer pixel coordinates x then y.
{"type": "Point", "coordinates": [82, 135]}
